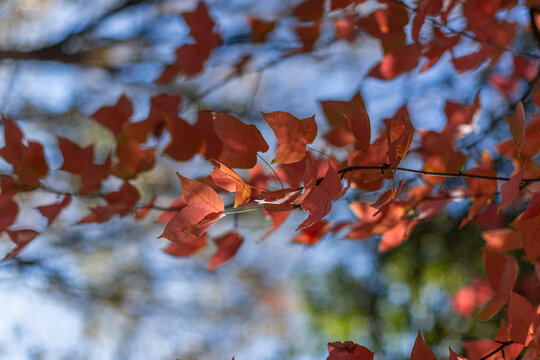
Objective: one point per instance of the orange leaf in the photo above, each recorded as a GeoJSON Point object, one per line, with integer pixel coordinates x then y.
{"type": "Point", "coordinates": [203, 225]}
{"type": "Point", "coordinates": [75, 157]}
{"type": "Point", "coordinates": [308, 35]}
{"type": "Point", "coordinates": [394, 236]}
{"type": "Point", "coordinates": [186, 248]}
{"type": "Point", "coordinates": [175, 230]}
{"type": "Point", "coordinates": [502, 240]}
{"type": "Point", "coordinates": [279, 200]}
{"type": "Point", "coordinates": [292, 135]}
{"type": "Point", "coordinates": [348, 351]}
{"type": "Point", "coordinates": [190, 61]}
{"type": "Point", "coordinates": [186, 139]}
{"type": "Point", "coordinates": [21, 238]}
{"type": "Point", "coordinates": [260, 29]}
{"type": "Point", "coordinates": [161, 106]}
{"type": "Point", "coordinates": [200, 196]}
{"type": "Point", "coordinates": [400, 136]}
{"type": "Point", "coordinates": [28, 161]}
{"type": "Point", "coordinates": [361, 128]}
{"type": "Point", "coordinates": [337, 111]}
{"type": "Point", "coordinates": [395, 63]}
{"type": "Point", "coordinates": [521, 319]}
{"type": "Point", "coordinates": [310, 10]}
{"type": "Point", "coordinates": [79, 161]}
{"type": "Point", "coordinates": [454, 356]}
{"type": "Point", "coordinates": [227, 245]}
{"type": "Point", "coordinates": [387, 198]}
{"type": "Point", "coordinates": [501, 272]}
{"type": "Point", "coordinates": [510, 190]}
{"type": "Point", "coordinates": [241, 141]}
{"type": "Point", "coordinates": [8, 211]}
{"type": "Point", "coordinates": [132, 159]}
{"type": "Point", "coordinates": [278, 218]}
{"type": "Point", "coordinates": [213, 145]}
{"type": "Point", "coordinates": [421, 350]}
{"type": "Point", "coordinates": [52, 211]}
{"type": "Point", "coordinates": [202, 26]}
{"type": "Point", "coordinates": [119, 202]}
{"type": "Point", "coordinates": [224, 177]}
{"type": "Point", "coordinates": [114, 117]}
{"type": "Point", "coordinates": [516, 121]}
{"type": "Point", "coordinates": [319, 199]}
{"type": "Point", "coordinates": [312, 234]}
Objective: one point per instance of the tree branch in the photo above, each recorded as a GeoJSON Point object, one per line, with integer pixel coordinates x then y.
{"type": "Point", "coordinates": [433, 173]}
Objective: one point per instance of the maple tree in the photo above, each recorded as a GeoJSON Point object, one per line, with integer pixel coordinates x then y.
{"type": "Point", "coordinates": [302, 178]}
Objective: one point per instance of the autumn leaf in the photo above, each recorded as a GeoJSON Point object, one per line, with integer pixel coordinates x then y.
{"type": "Point", "coordinates": [190, 58]}
{"type": "Point", "coordinates": [119, 202]}
{"type": "Point", "coordinates": [202, 26]}
{"type": "Point", "coordinates": [204, 224]}
{"type": "Point", "coordinates": [186, 139]}
{"type": "Point", "coordinates": [516, 122]}
{"type": "Point", "coordinates": [501, 272]}
{"type": "Point", "coordinates": [52, 211]}
{"type": "Point", "coordinates": [204, 208]}
{"type": "Point", "coordinates": [21, 238]}
{"type": "Point", "coordinates": [76, 158]}
{"type": "Point", "coordinates": [161, 107]}
{"type": "Point", "coordinates": [227, 246]}
{"type": "Point", "coordinates": [308, 35]}
{"type": "Point", "coordinates": [114, 117]}
{"type": "Point", "coordinates": [387, 198]}
{"type": "Point", "coordinates": [398, 233]}
{"type": "Point", "coordinates": [292, 135]}
{"type": "Point", "coordinates": [361, 128]}
{"type": "Point", "coordinates": [132, 159]}
{"type": "Point", "coordinates": [279, 200]}
{"type": "Point", "coordinates": [278, 218]}
{"type": "Point", "coordinates": [522, 319]}
{"type": "Point", "coordinates": [225, 177]}
{"type": "Point", "coordinates": [319, 199]}
{"type": "Point", "coordinates": [388, 25]}
{"type": "Point", "coordinates": [8, 211]}
{"type": "Point", "coordinates": [342, 116]}
{"type": "Point", "coordinates": [260, 29]}
{"type": "Point", "coordinates": [454, 356]}
{"type": "Point", "coordinates": [241, 141]}
{"type": "Point", "coordinates": [28, 161]}
{"type": "Point", "coordinates": [80, 161]}
{"type": "Point", "coordinates": [400, 136]}
{"type": "Point", "coordinates": [310, 10]}
{"type": "Point", "coordinates": [186, 248]}
{"type": "Point", "coordinates": [200, 197]}
{"type": "Point", "coordinates": [348, 351]}
{"type": "Point", "coordinates": [213, 145]}
{"type": "Point", "coordinates": [421, 351]}
{"type": "Point", "coordinates": [175, 230]}
{"type": "Point", "coordinates": [510, 190]}
{"type": "Point", "coordinates": [311, 235]}
{"type": "Point", "coordinates": [396, 63]}
{"type": "Point", "coordinates": [502, 240]}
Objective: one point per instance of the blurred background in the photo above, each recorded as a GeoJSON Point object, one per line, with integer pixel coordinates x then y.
{"type": "Point", "coordinates": [107, 291]}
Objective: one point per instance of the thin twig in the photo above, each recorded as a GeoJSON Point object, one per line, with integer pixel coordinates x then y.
{"type": "Point", "coordinates": [433, 173]}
